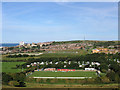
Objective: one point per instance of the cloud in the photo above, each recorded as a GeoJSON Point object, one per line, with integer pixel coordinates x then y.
{"type": "Point", "coordinates": [90, 10]}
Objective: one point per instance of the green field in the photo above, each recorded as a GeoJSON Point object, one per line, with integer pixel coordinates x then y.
{"type": "Point", "coordinates": [18, 58]}
{"type": "Point", "coordinates": [10, 67]}
{"type": "Point", "coordinates": [58, 53]}
{"type": "Point", "coordinates": [64, 74]}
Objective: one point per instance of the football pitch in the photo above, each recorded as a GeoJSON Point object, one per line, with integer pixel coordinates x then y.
{"type": "Point", "coordinates": [64, 74]}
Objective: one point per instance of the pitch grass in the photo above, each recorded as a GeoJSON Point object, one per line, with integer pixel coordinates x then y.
{"type": "Point", "coordinates": [10, 67]}
{"type": "Point", "coordinates": [63, 74]}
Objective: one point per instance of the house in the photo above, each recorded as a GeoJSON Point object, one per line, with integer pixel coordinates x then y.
{"type": "Point", "coordinates": [80, 65]}
{"type": "Point", "coordinates": [95, 50]}
{"type": "Point", "coordinates": [28, 65]}
{"type": "Point", "coordinates": [56, 63]}
{"type": "Point", "coordinates": [50, 62]}
{"type": "Point", "coordinates": [64, 65]}
{"type": "Point", "coordinates": [21, 43]}
{"type": "Point", "coordinates": [41, 63]}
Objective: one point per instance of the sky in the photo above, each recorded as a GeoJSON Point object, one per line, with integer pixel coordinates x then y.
{"type": "Point", "coordinates": [59, 21]}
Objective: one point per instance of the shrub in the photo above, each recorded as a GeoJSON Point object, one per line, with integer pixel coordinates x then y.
{"type": "Point", "coordinates": [13, 83]}
{"type": "Point", "coordinates": [22, 84]}
{"type": "Point", "coordinates": [98, 80]}
{"type": "Point", "coordinates": [90, 80]}
{"type": "Point", "coordinates": [44, 80]}
{"type": "Point", "coordinates": [67, 81]}
{"type": "Point", "coordinates": [81, 81]}
{"type": "Point", "coordinates": [103, 71]}
{"type": "Point", "coordinates": [105, 79]}
{"type": "Point", "coordinates": [111, 75]}
{"type": "Point", "coordinates": [38, 80]}
{"type": "Point", "coordinates": [6, 78]}
{"type": "Point", "coordinates": [53, 80]}
{"type": "Point", "coordinates": [72, 80]}
{"type": "Point", "coordinates": [117, 78]}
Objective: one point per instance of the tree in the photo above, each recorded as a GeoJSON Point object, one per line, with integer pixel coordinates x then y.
{"type": "Point", "coordinates": [19, 77]}
{"type": "Point", "coordinates": [6, 78]}
{"type": "Point", "coordinates": [103, 67]}
{"type": "Point", "coordinates": [111, 75]}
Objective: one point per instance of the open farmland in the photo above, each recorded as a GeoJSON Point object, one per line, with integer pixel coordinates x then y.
{"type": "Point", "coordinates": [10, 67]}
{"type": "Point", "coordinates": [64, 74]}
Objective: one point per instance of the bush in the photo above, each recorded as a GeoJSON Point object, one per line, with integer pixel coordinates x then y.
{"type": "Point", "coordinates": [111, 75]}
{"type": "Point", "coordinates": [22, 84]}
{"type": "Point", "coordinates": [98, 80]}
{"type": "Point", "coordinates": [53, 81]}
{"type": "Point", "coordinates": [67, 81]}
{"type": "Point", "coordinates": [38, 80]}
{"type": "Point", "coordinates": [117, 78]}
{"type": "Point", "coordinates": [103, 71]}
{"type": "Point", "coordinates": [90, 80]}
{"type": "Point", "coordinates": [6, 78]}
{"type": "Point", "coordinates": [105, 79]}
{"type": "Point", "coordinates": [13, 83]}
{"type": "Point", "coordinates": [81, 81]}
{"type": "Point", "coordinates": [72, 80]}
{"type": "Point", "coordinates": [30, 79]}
{"type": "Point", "coordinates": [44, 80]}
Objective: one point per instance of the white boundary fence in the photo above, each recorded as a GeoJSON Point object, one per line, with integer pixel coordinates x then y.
{"type": "Point", "coordinates": [63, 77]}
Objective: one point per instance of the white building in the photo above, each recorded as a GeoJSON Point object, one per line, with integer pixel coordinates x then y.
{"type": "Point", "coordinates": [21, 43]}
{"type": "Point", "coordinates": [64, 65]}
{"type": "Point", "coordinates": [41, 63]}
{"type": "Point", "coordinates": [28, 65]}
{"type": "Point", "coordinates": [50, 62]}
{"type": "Point", "coordinates": [56, 63]}
{"type": "Point", "coordinates": [80, 65]}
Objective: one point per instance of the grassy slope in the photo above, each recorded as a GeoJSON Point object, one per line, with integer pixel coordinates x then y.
{"type": "Point", "coordinates": [38, 85]}
{"type": "Point", "coordinates": [60, 53]}
{"type": "Point", "coordinates": [8, 67]}
{"type": "Point", "coordinates": [64, 74]}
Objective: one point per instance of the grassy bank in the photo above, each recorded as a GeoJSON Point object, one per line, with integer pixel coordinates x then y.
{"type": "Point", "coordinates": [37, 85]}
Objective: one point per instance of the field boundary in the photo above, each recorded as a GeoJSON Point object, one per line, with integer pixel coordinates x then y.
{"type": "Point", "coordinates": [63, 77]}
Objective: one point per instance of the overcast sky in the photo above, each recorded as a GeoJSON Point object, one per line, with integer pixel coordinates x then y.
{"type": "Point", "coordinates": [53, 21]}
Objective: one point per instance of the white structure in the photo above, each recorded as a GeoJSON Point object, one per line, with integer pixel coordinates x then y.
{"type": "Point", "coordinates": [34, 45]}
{"type": "Point", "coordinates": [21, 43]}
{"type": "Point", "coordinates": [69, 62]}
{"type": "Point", "coordinates": [56, 63]}
{"type": "Point", "coordinates": [35, 63]}
{"type": "Point", "coordinates": [28, 65]}
{"type": "Point", "coordinates": [80, 65]}
{"type": "Point", "coordinates": [99, 72]}
{"type": "Point", "coordinates": [41, 63]}
{"type": "Point", "coordinates": [97, 63]}
{"type": "Point", "coordinates": [38, 62]}
{"type": "Point", "coordinates": [64, 65]}
{"type": "Point", "coordinates": [65, 62]}
{"type": "Point", "coordinates": [90, 69]}
{"type": "Point", "coordinates": [50, 62]}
